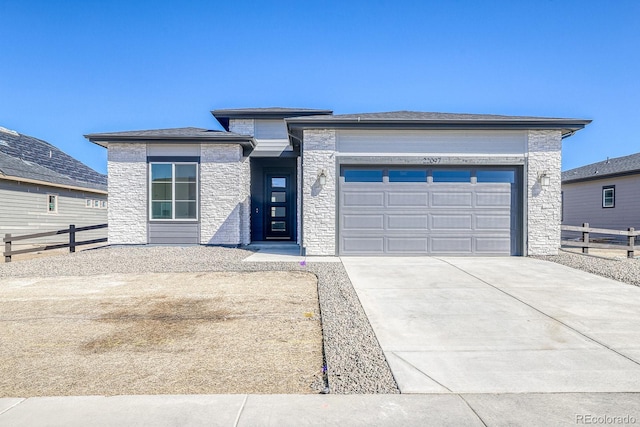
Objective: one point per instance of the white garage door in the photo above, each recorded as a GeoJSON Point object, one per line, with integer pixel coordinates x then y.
{"type": "Point", "coordinates": [402, 210]}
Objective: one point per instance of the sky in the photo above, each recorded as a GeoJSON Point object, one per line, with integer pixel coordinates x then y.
{"type": "Point", "coordinates": [69, 68]}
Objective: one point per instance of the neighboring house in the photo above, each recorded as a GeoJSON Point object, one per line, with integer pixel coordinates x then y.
{"type": "Point", "coordinates": [356, 184]}
{"type": "Point", "coordinates": [603, 194]}
{"type": "Point", "coordinates": [44, 189]}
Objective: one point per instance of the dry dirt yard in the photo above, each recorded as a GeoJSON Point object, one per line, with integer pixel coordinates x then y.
{"type": "Point", "coordinates": [169, 333]}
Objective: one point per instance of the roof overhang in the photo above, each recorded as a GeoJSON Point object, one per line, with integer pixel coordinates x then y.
{"type": "Point", "coordinates": [568, 127]}
{"type": "Point", "coordinates": [224, 115]}
{"type": "Point", "coordinates": [52, 184]}
{"type": "Point", "coordinates": [600, 177]}
{"type": "Point", "coordinates": [104, 139]}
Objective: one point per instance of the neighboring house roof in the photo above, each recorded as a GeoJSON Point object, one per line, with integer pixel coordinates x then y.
{"type": "Point", "coordinates": [608, 168]}
{"type": "Point", "coordinates": [175, 135]}
{"type": "Point", "coordinates": [223, 115]}
{"type": "Point", "coordinates": [24, 158]}
{"type": "Point", "coordinates": [418, 119]}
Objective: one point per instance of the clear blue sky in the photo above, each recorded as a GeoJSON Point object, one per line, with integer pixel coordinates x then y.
{"type": "Point", "coordinates": [68, 68]}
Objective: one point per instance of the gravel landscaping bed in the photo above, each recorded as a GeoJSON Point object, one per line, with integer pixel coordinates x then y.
{"type": "Point", "coordinates": [621, 269]}
{"type": "Point", "coordinates": [354, 360]}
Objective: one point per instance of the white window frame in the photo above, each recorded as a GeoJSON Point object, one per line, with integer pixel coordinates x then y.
{"type": "Point", "coordinates": [612, 189]}
{"type": "Point", "coordinates": [55, 196]}
{"type": "Point", "coordinates": [173, 193]}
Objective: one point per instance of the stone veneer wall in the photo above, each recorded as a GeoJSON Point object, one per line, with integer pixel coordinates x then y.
{"type": "Point", "coordinates": [242, 126]}
{"type": "Point", "coordinates": [319, 203]}
{"type": "Point", "coordinates": [127, 209]}
{"type": "Point", "coordinates": [544, 203]}
{"type": "Point", "coordinates": [224, 195]}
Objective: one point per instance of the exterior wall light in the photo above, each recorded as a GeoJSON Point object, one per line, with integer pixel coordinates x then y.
{"type": "Point", "coordinates": [544, 179]}
{"type": "Point", "coordinates": [322, 178]}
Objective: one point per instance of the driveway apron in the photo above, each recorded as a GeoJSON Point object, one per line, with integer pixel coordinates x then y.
{"type": "Point", "coordinates": [500, 325]}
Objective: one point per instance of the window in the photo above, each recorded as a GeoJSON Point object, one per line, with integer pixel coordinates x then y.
{"type": "Point", "coordinates": [174, 189]}
{"type": "Point", "coordinates": [407, 175]}
{"type": "Point", "coordinates": [89, 203]}
{"type": "Point", "coordinates": [52, 203]}
{"type": "Point", "coordinates": [103, 204]}
{"type": "Point", "coordinates": [451, 176]}
{"type": "Point", "coordinates": [609, 196]}
{"type": "Point", "coordinates": [495, 176]}
{"type": "Point", "coordinates": [362, 175]}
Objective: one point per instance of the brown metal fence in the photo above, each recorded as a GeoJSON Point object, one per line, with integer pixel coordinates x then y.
{"type": "Point", "coordinates": [71, 231]}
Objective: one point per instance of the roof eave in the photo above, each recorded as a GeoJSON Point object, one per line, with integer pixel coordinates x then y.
{"type": "Point", "coordinates": [239, 114]}
{"type": "Point", "coordinates": [567, 127]}
{"type": "Point", "coordinates": [603, 176]}
{"type": "Point", "coordinates": [78, 187]}
{"type": "Point", "coordinates": [104, 140]}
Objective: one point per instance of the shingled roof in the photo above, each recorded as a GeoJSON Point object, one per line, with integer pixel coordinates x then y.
{"type": "Point", "coordinates": [606, 168]}
{"type": "Point", "coordinates": [29, 158]}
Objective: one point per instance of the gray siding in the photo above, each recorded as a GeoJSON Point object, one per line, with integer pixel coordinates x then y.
{"type": "Point", "coordinates": [433, 142]}
{"type": "Point", "coordinates": [582, 202]}
{"type": "Point", "coordinates": [23, 210]}
{"type": "Point", "coordinates": [174, 233]}
{"type": "Point", "coordinates": [271, 129]}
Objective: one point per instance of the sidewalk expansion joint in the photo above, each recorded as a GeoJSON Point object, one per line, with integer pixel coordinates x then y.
{"type": "Point", "coordinates": [244, 403]}
{"type": "Point", "coordinates": [12, 406]}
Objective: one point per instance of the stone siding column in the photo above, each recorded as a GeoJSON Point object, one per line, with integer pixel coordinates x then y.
{"type": "Point", "coordinates": [544, 202]}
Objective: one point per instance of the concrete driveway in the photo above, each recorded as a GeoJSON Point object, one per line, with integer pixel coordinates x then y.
{"type": "Point", "coordinates": [500, 325]}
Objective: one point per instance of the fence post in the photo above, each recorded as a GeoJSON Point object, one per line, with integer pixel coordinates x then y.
{"type": "Point", "coordinates": [72, 238]}
{"type": "Point", "coordinates": [631, 242]}
{"type": "Point", "coordinates": [7, 247]}
{"type": "Point", "coordinates": [585, 238]}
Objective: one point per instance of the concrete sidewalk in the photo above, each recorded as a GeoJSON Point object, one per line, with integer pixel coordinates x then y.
{"type": "Point", "coordinates": [324, 410]}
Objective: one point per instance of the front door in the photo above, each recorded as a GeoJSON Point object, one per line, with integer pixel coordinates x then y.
{"type": "Point", "coordinates": [278, 206]}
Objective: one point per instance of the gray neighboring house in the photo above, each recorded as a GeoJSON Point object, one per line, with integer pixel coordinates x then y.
{"type": "Point", "coordinates": [44, 189]}
{"type": "Point", "coordinates": [603, 194]}
{"type": "Point", "coordinates": [395, 183]}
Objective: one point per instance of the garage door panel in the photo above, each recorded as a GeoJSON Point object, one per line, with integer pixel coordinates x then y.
{"type": "Point", "coordinates": [407, 222]}
{"type": "Point", "coordinates": [363, 199]}
{"type": "Point", "coordinates": [493, 245]}
{"type": "Point", "coordinates": [363, 245]}
{"type": "Point", "coordinates": [448, 244]}
{"type": "Point", "coordinates": [408, 200]}
{"type": "Point", "coordinates": [449, 221]}
{"type": "Point", "coordinates": [498, 221]}
{"type": "Point", "coordinates": [363, 222]}
{"type": "Point", "coordinates": [439, 199]}
{"type": "Point", "coordinates": [501, 199]}
{"type": "Point", "coordinates": [401, 245]}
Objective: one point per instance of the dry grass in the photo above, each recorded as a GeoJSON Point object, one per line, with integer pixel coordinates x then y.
{"type": "Point", "coordinates": [178, 333]}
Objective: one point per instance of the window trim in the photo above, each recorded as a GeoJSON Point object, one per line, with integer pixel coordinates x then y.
{"type": "Point", "coordinates": [55, 204]}
{"type": "Point", "coordinates": [173, 192]}
{"type": "Point", "coordinates": [611, 188]}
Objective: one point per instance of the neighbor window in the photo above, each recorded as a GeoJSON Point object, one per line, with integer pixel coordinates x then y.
{"type": "Point", "coordinates": [174, 189]}
{"type": "Point", "coordinates": [609, 196]}
{"type": "Point", "coordinates": [52, 203]}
